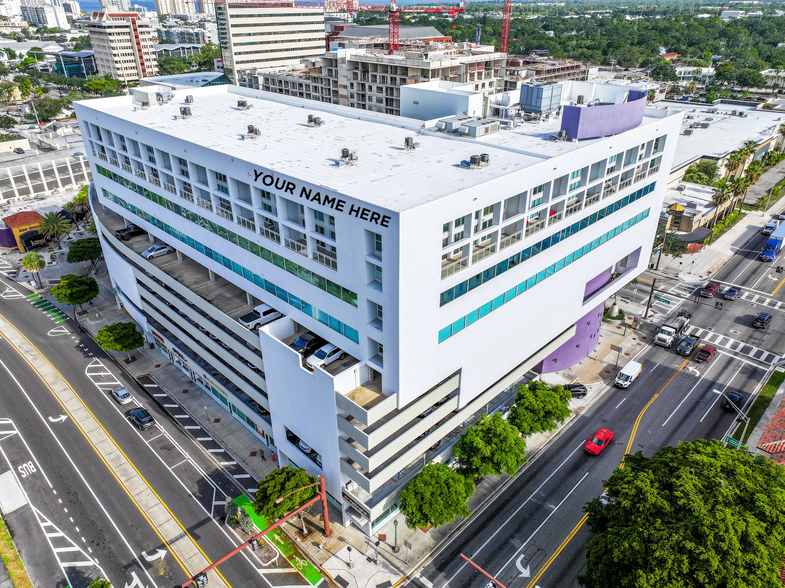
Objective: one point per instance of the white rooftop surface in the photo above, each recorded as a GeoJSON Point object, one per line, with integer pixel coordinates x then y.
{"type": "Point", "coordinates": [697, 193]}
{"type": "Point", "coordinates": [386, 175]}
{"type": "Point", "coordinates": [726, 132]}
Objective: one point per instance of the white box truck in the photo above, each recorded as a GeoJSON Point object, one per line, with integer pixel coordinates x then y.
{"type": "Point", "coordinates": [673, 328]}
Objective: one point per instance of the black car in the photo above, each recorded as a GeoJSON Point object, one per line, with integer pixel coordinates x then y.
{"type": "Point", "coordinates": [576, 390]}
{"type": "Point", "coordinates": [128, 232]}
{"type": "Point", "coordinates": [762, 320]}
{"type": "Point", "coordinates": [308, 343]}
{"type": "Point", "coordinates": [141, 418]}
{"type": "Point", "coordinates": [688, 345]}
{"type": "Point", "coordinates": [731, 293]}
{"type": "Point", "coordinates": [732, 397]}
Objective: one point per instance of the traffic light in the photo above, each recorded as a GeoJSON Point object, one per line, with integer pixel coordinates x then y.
{"type": "Point", "coordinates": [718, 305]}
{"type": "Point", "coordinates": [779, 269]}
{"type": "Point", "coordinates": [201, 581]}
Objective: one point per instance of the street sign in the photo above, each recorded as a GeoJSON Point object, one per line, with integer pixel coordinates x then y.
{"type": "Point", "coordinates": [663, 300]}
{"type": "Point", "coordinates": [407, 545]}
{"type": "Point", "coordinates": [732, 442]}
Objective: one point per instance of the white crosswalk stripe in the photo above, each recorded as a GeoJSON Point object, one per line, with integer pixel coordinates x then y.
{"type": "Point", "coordinates": [761, 300]}
{"type": "Point", "coordinates": [719, 340]}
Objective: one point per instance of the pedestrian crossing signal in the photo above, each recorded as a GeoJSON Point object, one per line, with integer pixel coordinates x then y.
{"type": "Point", "coordinates": [779, 269]}
{"type": "Point", "coordinates": [201, 581]}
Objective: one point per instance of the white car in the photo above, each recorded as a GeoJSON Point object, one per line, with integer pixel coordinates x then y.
{"type": "Point", "coordinates": [157, 251]}
{"type": "Point", "coordinates": [304, 447]}
{"type": "Point", "coordinates": [325, 356]}
{"type": "Point", "coordinates": [122, 396]}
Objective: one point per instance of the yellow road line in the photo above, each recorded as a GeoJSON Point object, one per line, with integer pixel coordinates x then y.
{"type": "Point", "coordinates": [778, 286]}
{"type": "Point", "coordinates": [621, 466]}
{"type": "Point", "coordinates": [185, 531]}
{"type": "Point", "coordinates": [649, 282]}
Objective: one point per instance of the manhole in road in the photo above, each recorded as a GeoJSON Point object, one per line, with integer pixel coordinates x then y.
{"type": "Point", "coordinates": [753, 305]}
{"type": "Point", "coordinates": [709, 328]}
{"type": "Point", "coordinates": [734, 332]}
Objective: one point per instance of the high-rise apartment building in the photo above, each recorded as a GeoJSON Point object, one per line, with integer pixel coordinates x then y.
{"type": "Point", "coordinates": [123, 45]}
{"type": "Point", "coordinates": [254, 35]}
{"type": "Point", "coordinates": [44, 13]}
{"type": "Point", "coordinates": [442, 267]}
{"type": "Point", "coordinates": [371, 80]}
{"type": "Point", "coordinates": [71, 8]}
{"type": "Point", "coordinates": [114, 5]}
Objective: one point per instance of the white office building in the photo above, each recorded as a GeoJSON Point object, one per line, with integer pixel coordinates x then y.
{"type": "Point", "coordinates": [444, 259]}
{"type": "Point", "coordinates": [43, 13]}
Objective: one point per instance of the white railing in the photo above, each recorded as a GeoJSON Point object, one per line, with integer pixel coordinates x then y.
{"type": "Point", "coordinates": [508, 240]}
{"type": "Point", "coordinates": [609, 191]}
{"type": "Point", "coordinates": [225, 213]}
{"type": "Point", "coordinates": [170, 188]}
{"type": "Point", "coordinates": [482, 253]}
{"type": "Point", "coordinates": [640, 176]}
{"type": "Point", "coordinates": [295, 246]}
{"type": "Point", "coordinates": [103, 156]}
{"type": "Point", "coordinates": [187, 195]}
{"type": "Point", "coordinates": [654, 170]}
{"type": "Point", "coordinates": [154, 180]}
{"type": "Point", "coordinates": [535, 228]}
{"type": "Point", "coordinates": [113, 161]}
{"type": "Point", "coordinates": [555, 218]}
{"type": "Point", "coordinates": [127, 167]}
{"type": "Point", "coordinates": [573, 208]}
{"type": "Point", "coordinates": [140, 174]}
{"type": "Point", "coordinates": [592, 199]}
{"type": "Point", "coordinates": [204, 203]}
{"type": "Point", "coordinates": [272, 235]}
{"type": "Point", "coordinates": [625, 183]}
{"type": "Point", "coordinates": [325, 260]}
{"type": "Point", "coordinates": [453, 267]}
{"type": "Point", "coordinates": [248, 223]}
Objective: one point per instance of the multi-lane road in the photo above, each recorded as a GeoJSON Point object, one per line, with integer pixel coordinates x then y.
{"type": "Point", "coordinates": [76, 514]}
{"type": "Point", "coordinates": [534, 533]}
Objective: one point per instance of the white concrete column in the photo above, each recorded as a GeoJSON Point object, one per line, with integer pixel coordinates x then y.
{"type": "Point", "coordinates": [249, 299]}
{"type": "Point", "coordinates": [179, 255]}
{"type": "Point", "coordinates": [212, 276]}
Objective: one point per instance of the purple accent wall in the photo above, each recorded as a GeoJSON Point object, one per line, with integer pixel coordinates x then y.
{"type": "Point", "coordinates": [7, 238]}
{"type": "Point", "coordinates": [597, 282]}
{"type": "Point", "coordinates": [590, 122]}
{"type": "Point", "coordinates": [579, 346]}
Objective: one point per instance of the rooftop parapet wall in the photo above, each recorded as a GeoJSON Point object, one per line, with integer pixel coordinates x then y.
{"type": "Point", "coordinates": [584, 122]}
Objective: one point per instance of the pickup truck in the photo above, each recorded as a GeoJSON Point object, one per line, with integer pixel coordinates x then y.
{"type": "Point", "coordinates": [128, 232]}
{"type": "Point", "coordinates": [261, 315]}
{"type": "Point", "coordinates": [710, 289]}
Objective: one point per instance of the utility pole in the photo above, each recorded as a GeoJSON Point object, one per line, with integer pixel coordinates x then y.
{"type": "Point", "coordinates": [654, 278]}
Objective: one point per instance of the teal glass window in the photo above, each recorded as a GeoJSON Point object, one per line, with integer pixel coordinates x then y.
{"type": "Point", "coordinates": [458, 325]}
{"type": "Point", "coordinates": [509, 295]}
{"type": "Point", "coordinates": [521, 288]}
{"type": "Point", "coordinates": [445, 333]}
{"type": "Point", "coordinates": [446, 297]}
{"type": "Point", "coordinates": [486, 308]}
{"type": "Point", "coordinates": [498, 301]}
{"type": "Point", "coordinates": [472, 316]}
{"type": "Point", "coordinates": [475, 281]}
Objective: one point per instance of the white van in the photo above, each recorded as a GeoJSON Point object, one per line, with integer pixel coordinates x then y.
{"type": "Point", "coordinates": [770, 227]}
{"type": "Point", "coordinates": [628, 374]}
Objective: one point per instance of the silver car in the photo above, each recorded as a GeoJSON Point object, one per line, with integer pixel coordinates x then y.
{"type": "Point", "coordinates": [157, 251]}
{"type": "Point", "coordinates": [122, 396]}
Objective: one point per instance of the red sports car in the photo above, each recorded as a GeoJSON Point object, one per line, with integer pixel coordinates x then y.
{"type": "Point", "coordinates": [599, 441]}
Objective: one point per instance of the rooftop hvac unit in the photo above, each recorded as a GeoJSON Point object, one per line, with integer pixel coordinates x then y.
{"type": "Point", "coordinates": [562, 134]}
{"type": "Point", "coordinates": [409, 144]}
{"type": "Point", "coordinates": [579, 100]}
{"type": "Point", "coordinates": [687, 131]}
{"type": "Point", "coordinates": [734, 112]}
{"type": "Point", "coordinates": [705, 125]}
{"type": "Point", "coordinates": [254, 131]}
{"type": "Point", "coordinates": [347, 158]}
{"type": "Point", "coordinates": [315, 121]}
{"type": "Point", "coordinates": [476, 161]}
{"type": "Point", "coordinates": [689, 116]}
{"type": "Point", "coordinates": [243, 104]}
{"type": "Point", "coordinates": [189, 99]}
{"type": "Point", "coordinates": [185, 111]}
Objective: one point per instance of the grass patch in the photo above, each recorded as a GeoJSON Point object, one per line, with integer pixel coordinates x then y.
{"type": "Point", "coordinates": [726, 223]}
{"type": "Point", "coordinates": [761, 403]}
{"type": "Point", "coordinates": [10, 556]}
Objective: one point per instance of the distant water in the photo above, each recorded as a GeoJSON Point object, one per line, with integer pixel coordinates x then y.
{"type": "Point", "coordinates": [93, 6]}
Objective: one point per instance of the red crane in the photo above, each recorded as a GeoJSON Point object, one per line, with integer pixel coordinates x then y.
{"type": "Point", "coordinates": [392, 10]}
{"type": "Point", "coordinates": [506, 15]}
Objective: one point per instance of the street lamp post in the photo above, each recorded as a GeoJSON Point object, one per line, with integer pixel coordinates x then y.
{"type": "Point", "coordinates": [350, 564]}
{"type": "Point", "coordinates": [742, 416]}
{"type": "Point", "coordinates": [395, 525]}
{"type": "Point", "coordinates": [376, 561]}
{"type": "Point", "coordinates": [322, 495]}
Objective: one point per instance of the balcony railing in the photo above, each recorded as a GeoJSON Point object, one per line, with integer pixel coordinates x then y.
{"type": "Point", "coordinates": [140, 174]}
{"type": "Point", "coordinates": [593, 199]}
{"type": "Point", "coordinates": [573, 208]}
{"type": "Point", "coordinates": [453, 266]}
{"type": "Point", "coordinates": [296, 246]}
{"type": "Point", "coordinates": [225, 213]}
{"type": "Point", "coordinates": [127, 168]}
{"type": "Point", "coordinates": [204, 203]}
{"type": "Point", "coordinates": [624, 183]}
{"type": "Point", "coordinates": [609, 191]}
{"type": "Point", "coordinates": [325, 260]}
{"type": "Point", "coordinates": [248, 223]}
{"type": "Point", "coordinates": [640, 176]}
{"type": "Point", "coordinates": [154, 180]}
{"type": "Point", "coordinates": [654, 170]}
{"type": "Point", "coordinates": [113, 161]}
{"type": "Point", "coordinates": [187, 195]}
{"type": "Point", "coordinates": [103, 156]}
{"type": "Point", "coordinates": [481, 253]}
{"type": "Point", "coordinates": [508, 240]}
{"type": "Point", "coordinates": [272, 235]}
{"type": "Point", "coordinates": [535, 228]}
{"type": "Point", "coordinates": [555, 218]}
{"type": "Point", "coordinates": [170, 188]}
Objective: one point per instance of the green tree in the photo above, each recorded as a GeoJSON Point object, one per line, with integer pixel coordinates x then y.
{"type": "Point", "coordinates": [539, 407]}
{"type": "Point", "coordinates": [25, 86]}
{"type": "Point", "coordinates": [725, 73]}
{"type": "Point", "coordinates": [99, 582]}
{"type": "Point", "coordinates": [436, 496]}
{"type": "Point", "coordinates": [750, 78]}
{"type": "Point", "coordinates": [738, 188]}
{"type": "Point", "coordinates": [704, 172]}
{"type": "Point", "coordinates": [246, 522]}
{"type": "Point", "coordinates": [754, 171]}
{"type": "Point", "coordinates": [231, 510]}
{"type": "Point", "coordinates": [489, 447]}
{"type": "Point", "coordinates": [121, 337]}
{"type": "Point", "coordinates": [664, 71]}
{"type": "Point", "coordinates": [7, 122]}
{"type": "Point", "coordinates": [103, 85]}
{"type": "Point", "coordinates": [674, 245]}
{"type": "Point", "coordinates": [91, 228]}
{"type": "Point", "coordinates": [82, 43]}
{"type": "Point", "coordinates": [75, 291]}
{"type": "Point", "coordinates": [277, 485]}
{"type": "Point", "coordinates": [173, 65]}
{"type": "Point", "coordinates": [46, 108]}
{"type": "Point", "coordinates": [34, 263]}
{"type": "Point", "coordinates": [87, 249]}
{"type": "Point", "coordinates": [205, 58]}
{"type": "Point", "coordinates": [53, 226]}
{"type": "Point", "coordinates": [694, 515]}
{"type": "Point", "coordinates": [7, 91]}
{"type": "Point", "coordinates": [733, 162]}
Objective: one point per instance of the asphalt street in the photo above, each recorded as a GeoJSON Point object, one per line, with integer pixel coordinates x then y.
{"type": "Point", "coordinates": [102, 520]}
{"type": "Point", "coordinates": [534, 532]}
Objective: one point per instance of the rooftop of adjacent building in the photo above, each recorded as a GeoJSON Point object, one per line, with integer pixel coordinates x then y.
{"type": "Point", "coordinates": [404, 32]}
{"type": "Point", "coordinates": [385, 173]}
{"type": "Point", "coordinates": [187, 80]}
{"type": "Point", "coordinates": [23, 218]}
{"type": "Point", "coordinates": [726, 131]}
{"type": "Point", "coordinates": [689, 198]}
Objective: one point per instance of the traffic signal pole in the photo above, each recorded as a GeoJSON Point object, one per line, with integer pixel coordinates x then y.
{"type": "Point", "coordinates": [322, 495]}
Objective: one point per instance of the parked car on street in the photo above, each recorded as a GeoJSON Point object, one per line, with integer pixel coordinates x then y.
{"type": "Point", "coordinates": [141, 418]}
{"type": "Point", "coordinates": [706, 353]}
{"type": "Point", "coordinates": [599, 441]}
{"type": "Point", "coordinates": [576, 390]}
{"type": "Point", "coordinates": [157, 251]}
{"type": "Point", "coordinates": [122, 396]}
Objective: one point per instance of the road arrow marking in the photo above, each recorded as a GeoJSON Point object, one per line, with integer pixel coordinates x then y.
{"type": "Point", "coordinates": [524, 571]}
{"type": "Point", "coordinates": [135, 582]}
{"type": "Point", "coordinates": [59, 419]}
{"type": "Point", "coordinates": [58, 331]}
{"type": "Point", "coordinates": [159, 554]}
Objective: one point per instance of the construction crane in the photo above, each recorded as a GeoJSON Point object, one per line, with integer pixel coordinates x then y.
{"type": "Point", "coordinates": [350, 6]}
{"type": "Point", "coordinates": [506, 15]}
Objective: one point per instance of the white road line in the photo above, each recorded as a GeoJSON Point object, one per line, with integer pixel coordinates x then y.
{"type": "Point", "coordinates": [708, 410]}
{"type": "Point", "coordinates": [620, 403]}
{"type": "Point", "coordinates": [69, 564]}
{"type": "Point", "coordinates": [192, 427]}
{"type": "Point", "coordinates": [177, 464]}
{"type": "Point", "coordinates": [252, 490]}
{"type": "Point", "coordinates": [64, 549]}
{"type": "Point", "coordinates": [227, 462]}
{"type": "Point", "coordinates": [241, 476]}
{"type": "Point", "coordinates": [181, 416]}
{"type": "Point", "coordinates": [218, 502]}
{"type": "Point", "coordinates": [517, 510]}
{"type": "Point", "coordinates": [553, 512]}
{"type": "Point", "coordinates": [171, 405]}
{"type": "Point", "coordinates": [154, 438]}
{"type": "Point", "coordinates": [160, 394]}
{"type": "Point", "coordinates": [683, 400]}
{"type": "Point", "coordinates": [150, 385]}
{"type": "Point", "coordinates": [214, 450]}
{"type": "Point", "coordinates": [204, 438]}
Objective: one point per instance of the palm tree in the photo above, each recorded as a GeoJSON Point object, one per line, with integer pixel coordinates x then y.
{"type": "Point", "coordinates": [53, 226]}
{"type": "Point", "coordinates": [720, 196]}
{"type": "Point", "coordinates": [81, 200]}
{"type": "Point", "coordinates": [748, 150]}
{"type": "Point", "coordinates": [781, 131]}
{"type": "Point", "coordinates": [754, 171]}
{"type": "Point", "coordinates": [739, 187]}
{"type": "Point", "coordinates": [91, 228]}
{"type": "Point", "coordinates": [34, 263]}
{"type": "Point", "coordinates": [733, 162]}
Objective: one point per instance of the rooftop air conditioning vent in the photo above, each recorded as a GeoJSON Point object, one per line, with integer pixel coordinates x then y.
{"type": "Point", "coordinates": [409, 144]}
{"type": "Point", "coordinates": [476, 161]}
{"type": "Point", "coordinates": [689, 116]}
{"type": "Point", "coordinates": [315, 121]}
{"type": "Point", "coordinates": [242, 104]}
{"type": "Point", "coordinates": [680, 187]}
{"type": "Point", "coordinates": [185, 111]}
{"type": "Point", "coordinates": [347, 158]}
{"type": "Point", "coordinates": [253, 132]}
{"type": "Point", "coordinates": [189, 99]}
{"type": "Point", "coordinates": [687, 131]}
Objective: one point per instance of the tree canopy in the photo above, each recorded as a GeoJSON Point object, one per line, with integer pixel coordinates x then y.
{"type": "Point", "coordinates": [278, 484]}
{"type": "Point", "coordinates": [119, 337]}
{"type": "Point", "coordinates": [694, 515]}
{"type": "Point", "coordinates": [87, 249]}
{"type": "Point", "coordinates": [489, 447]}
{"type": "Point", "coordinates": [539, 407]}
{"type": "Point", "coordinates": [436, 496]}
{"type": "Point", "coordinates": [703, 172]}
{"type": "Point", "coordinates": [75, 290]}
